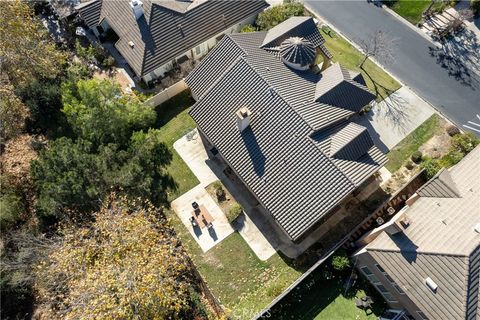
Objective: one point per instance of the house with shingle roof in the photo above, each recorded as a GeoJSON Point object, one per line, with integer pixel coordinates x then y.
{"type": "Point", "coordinates": [282, 122]}
{"type": "Point", "coordinates": [427, 258]}
{"type": "Point", "coordinates": [156, 35]}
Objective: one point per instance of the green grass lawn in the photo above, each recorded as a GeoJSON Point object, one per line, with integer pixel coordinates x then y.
{"type": "Point", "coordinates": [410, 10]}
{"type": "Point", "coordinates": [405, 148]}
{"type": "Point", "coordinates": [326, 299]}
{"type": "Point", "coordinates": [174, 122]}
{"type": "Point", "coordinates": [378, 81]}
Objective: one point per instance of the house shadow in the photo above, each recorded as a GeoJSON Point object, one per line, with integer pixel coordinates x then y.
{"type": "Point", "coordinates": [408, 249]}
{"type": "Point", "coordinates": [255, 153]}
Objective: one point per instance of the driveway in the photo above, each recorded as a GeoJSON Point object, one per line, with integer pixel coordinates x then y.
{"type": "Point", "coordinates": [192, 151]}
{"type": "Point", "coordinates": [394, 118]}
{"type": "Point", "coordinates": [426, 68]}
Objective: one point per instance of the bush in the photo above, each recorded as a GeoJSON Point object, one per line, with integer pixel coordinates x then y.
{"type": "Point", "coordinates": [465, 143]}
{"type": "Point", "coordinates": [277, 14]}
{"type": "Point", "coordinates": [11, 208]}
{"type": "Point", "coordinates": [248, 28]}
{"type": "Point", "coordinates": [219, 192]}
{"type": "Point", "coordinates": [453, 130]}
{"type": "Point", "coordinates": [108, 62]}
{"type": "Point", "coordinates": [340, 261]}
{"type": "Point", "coordinates": [431, 167]}
{"type": "Point", "coordinates": [409, 165]}
{"type": "Point", "coordinates": [417, 156]}
{"type": "Point", "coordinates": [234, 212]}
{"type": "Point", "coordinates": [451, 158]}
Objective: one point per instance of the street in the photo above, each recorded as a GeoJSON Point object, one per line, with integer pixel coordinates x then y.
{"type": "Point", "coordinates": [438, 77]}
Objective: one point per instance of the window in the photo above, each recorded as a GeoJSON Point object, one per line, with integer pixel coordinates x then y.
{"type": "Point", "coordinates": [369, 274]}
{"type": "Point", "coordinates": [390, 279]}
{"type": "Point", "coordinates": [198, 50]}
{"type": "Point", "coordinates": [380, 268]}
{"type": "Point", "coordinates": [422, 315]}
{"type": "Point", "coordinates": [380, 287]}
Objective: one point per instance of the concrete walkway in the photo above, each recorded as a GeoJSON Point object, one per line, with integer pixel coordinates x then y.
{"type": "Point", "coordinates": [192, 151]}
{"type": "Point", "coordinates": [394, 118]}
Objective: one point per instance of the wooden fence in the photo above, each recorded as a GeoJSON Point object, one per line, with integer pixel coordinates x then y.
{"type": "Point", "coordinates": [167, 94]}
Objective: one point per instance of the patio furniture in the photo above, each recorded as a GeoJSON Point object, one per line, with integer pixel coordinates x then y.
{"type": "Point", "coordinates": [364, 303]}
{"type": "Point", "coordinates": [194, 205]}
{"type": "Point", "coordinates": [202, 217]}
{"type": "Point", "coordinates": [194, 223]}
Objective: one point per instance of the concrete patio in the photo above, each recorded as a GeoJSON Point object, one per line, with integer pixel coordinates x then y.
{"type": "Point", "coordinates": [395, 117]}
{"type": "Point", "coordinates": [191, 150]}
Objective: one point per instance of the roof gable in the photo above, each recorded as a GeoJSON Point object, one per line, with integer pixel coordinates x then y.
{"type": "Point", "coordinates": [351, 142]}
{"type": "Point", "coordinates": [293, 27]}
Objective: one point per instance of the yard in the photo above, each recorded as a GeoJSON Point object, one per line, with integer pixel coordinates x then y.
{"type": "Point", "coordinates": [323, 296]}
{"type": "Point", "coordinates": [411, 143]}
{"type": "Point", "coordinates": [413, 10]}
{"type": "Point", "coordinates": [378, 81]}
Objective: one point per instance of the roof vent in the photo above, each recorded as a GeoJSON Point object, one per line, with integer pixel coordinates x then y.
{"type": "Point", "coordinates": [477, 228]}
{"type": "Point", "coordinates": [297, 53]}
{"type": "Point", "coordinates": [431, 284]}
{"type": "Point", "coordinates": [131, 44]}
{"type": "Point", "coordinates": [243, 118]}
{"type": "Point", "coordinates": [137, 7]}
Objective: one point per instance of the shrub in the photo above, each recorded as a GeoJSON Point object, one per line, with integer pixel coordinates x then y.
{"type": "Point", "coordinates": [340, 261]}
{"type": "Point", "coordinates": [248, 28]}
{"type": "Point", "coordinates": [108, 62]}
{"type": "Point", "coordinates": [219, 192]}
{"type": "Point", "coordinates": [417, 156]}
{"type": "Point", "coordinates": [453, 130]}
{"type": "Point", "coordinates": [409, 165]}
{"type": "Point", "coordinates": [465, 143]}
{"type": "Point", "coordinates": [11, 207]}
{"type": "Point", "coordinates": [451, 158]}
{"type": "Point", "coordinates": [431, 167]}
{"type": "Point", "coordinates": [234, 212]}
{"type": "Point", "coordinates": [277, 14]}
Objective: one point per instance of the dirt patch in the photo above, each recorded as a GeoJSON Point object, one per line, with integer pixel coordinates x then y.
{"type": "Point", "coordinates": [400, 178]}
{"type": "Point", "coordinates": [437, 146]}
{"type": "Point", "coordinates": [115, 76]}
{"type": "Point", "coordinates": [18, 154]}
{"type": "Point", "coordinates": [226, 202]}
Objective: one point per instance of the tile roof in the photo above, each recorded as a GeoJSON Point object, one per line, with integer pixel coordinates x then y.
{"type": "Point", "coordinates": [440, 186]}
{"type": "Point", "coordinates": [297, 51]}
{"type": "Point", "coordinates": [168, 28]}
{"type": "Point", "coordinates": [440, 243]}
{"type": "Point", "coordinates": [280, 156]}
{"type": "Point", "coordinates": [90, 12]}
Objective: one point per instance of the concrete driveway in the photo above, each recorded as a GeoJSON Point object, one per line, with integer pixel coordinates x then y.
{"type": "Point", "coordinates": [192, 151]}
{"type": "Point", "coordinates": [394, 118]}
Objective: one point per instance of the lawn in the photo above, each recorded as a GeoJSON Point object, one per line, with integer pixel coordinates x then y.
{"type": "Point", "coordinates": [243, 283]}
{"type": "Point", "coordinates": [378, 81]}
{"type": "Point", "coordinates": [405, 148]}
{"type": "Point", "coordinates": [174, 122]}
{"type": "Point", "coordinates": [325, 298]}
{"type": "Point", "coordinates": [410, 10]}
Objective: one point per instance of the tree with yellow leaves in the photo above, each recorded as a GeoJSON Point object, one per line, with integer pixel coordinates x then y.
{"type": "Point", "coordinates": [127, 264]}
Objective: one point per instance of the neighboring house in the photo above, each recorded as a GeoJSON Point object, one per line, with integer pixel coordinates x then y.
{"type": "Point", "coordinates": [283, 126]}
{"type": "Point", "coordinates": [427, 258]}
{"type": "Point", "coordinates": [155, 35]}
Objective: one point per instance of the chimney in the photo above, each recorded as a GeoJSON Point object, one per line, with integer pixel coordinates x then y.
{"type": "Point", "coordinates": [137, 8]}
{"type": "Point", "coordinates": [243, 118]}
{"type": "Point", "coordinates": [398, 225]}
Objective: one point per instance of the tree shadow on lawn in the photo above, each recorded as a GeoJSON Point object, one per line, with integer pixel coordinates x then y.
{"type": "Point", "coordinates": [171, 108]}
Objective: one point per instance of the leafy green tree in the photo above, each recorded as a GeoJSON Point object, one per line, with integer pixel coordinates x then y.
{"type": "Point", "coordinates": [99, 113]}
{"type": "Point", "coordinates": [277, 14]}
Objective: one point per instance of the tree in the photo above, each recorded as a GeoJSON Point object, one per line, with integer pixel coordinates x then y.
{"type": "Point", "coordinates": [99, 113]}
{"type": "Point", "coordinates": [128, 264]}
{"type": "Point", "coordinates": [277, 14]}
{"type": "Point", "coordinates": [378, 45]}
{"type": "Point", "coordinates": [26, 50]}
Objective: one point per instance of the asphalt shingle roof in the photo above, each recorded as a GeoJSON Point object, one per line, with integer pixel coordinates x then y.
{"type": "Point", "coordinates": [168, 28]}
{"type": "Point", "coordinates": [440, 243]}
{"type": "Point", "coordinates": [280, 156]}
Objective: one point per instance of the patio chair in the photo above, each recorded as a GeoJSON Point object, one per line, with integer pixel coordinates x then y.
{"type": "Point", "coordinates": [194, 223]}
{"type": "Point", "coordinates": [195, 205]}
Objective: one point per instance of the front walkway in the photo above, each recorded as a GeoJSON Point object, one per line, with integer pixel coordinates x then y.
{"type": "Point", "coordinates": [192, 151]}
{"type": "Point", "coordinates": [395, 117]}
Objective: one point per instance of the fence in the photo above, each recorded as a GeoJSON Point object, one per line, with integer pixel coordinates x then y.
{"type": "Point", "coordinates": [168, 93]}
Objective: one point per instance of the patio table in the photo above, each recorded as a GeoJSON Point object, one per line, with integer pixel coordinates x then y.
{"type": "Point", "coordinates": [202, 217]}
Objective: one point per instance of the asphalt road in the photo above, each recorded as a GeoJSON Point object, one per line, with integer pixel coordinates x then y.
{"type": "Point", "coordinates": [447, 85]}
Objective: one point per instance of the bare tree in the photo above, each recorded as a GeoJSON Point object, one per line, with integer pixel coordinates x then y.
{"type": "Point", "coordinates": [380, 46]}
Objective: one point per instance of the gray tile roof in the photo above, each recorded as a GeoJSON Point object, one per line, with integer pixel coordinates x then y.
{"type": "Point", "coordinates": [293, 27]}
{"type": "Point", "coordinates": [440, 243]}
{"type": "Point", "coordinates": [90, 12]}
{"type": "Point", "coordinates": [280, 156]}
{"type": "Point", "coordinates": [440, 186]}
{"type": "Point", "coordinates": [337, 87]}
{"type": "Point", "coordinates": [170, 28]}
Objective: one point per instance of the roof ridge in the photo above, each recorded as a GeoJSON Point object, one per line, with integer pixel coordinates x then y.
{"type": "Point", "coordinates": [430, 253]}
